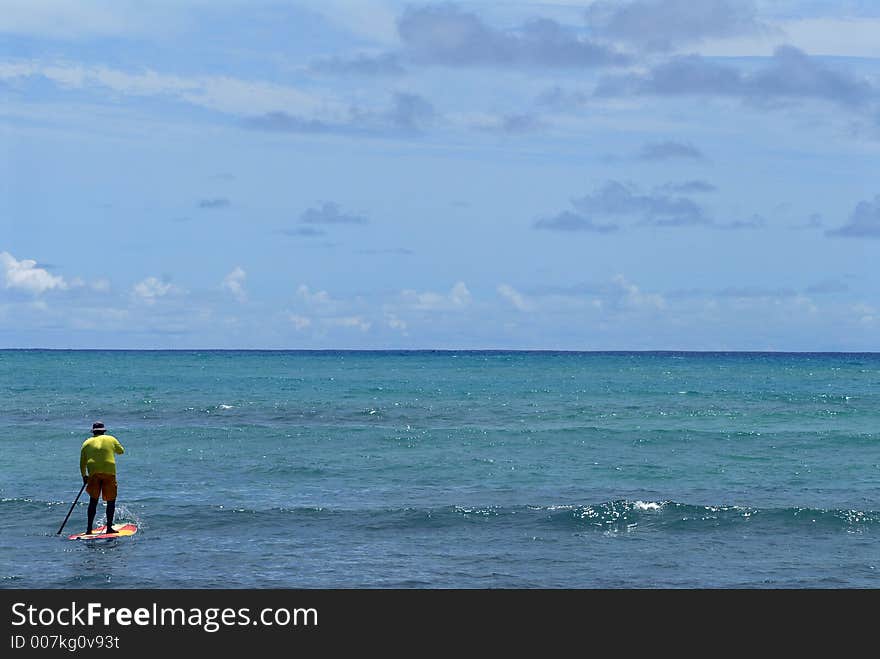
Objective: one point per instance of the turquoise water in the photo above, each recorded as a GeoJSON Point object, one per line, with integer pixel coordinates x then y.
{"type": "Point", "coordinates": [447, 469]}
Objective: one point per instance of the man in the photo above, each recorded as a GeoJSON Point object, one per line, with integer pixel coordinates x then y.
{"type": "Point", "coordinates": [97, 462]}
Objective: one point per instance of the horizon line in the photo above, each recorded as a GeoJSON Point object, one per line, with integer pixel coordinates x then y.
{"type": "Point", "coordinates": [465, 350]}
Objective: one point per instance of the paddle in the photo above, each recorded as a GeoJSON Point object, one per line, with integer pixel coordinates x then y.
{"type": "Point", "coordinates": [71, 507]}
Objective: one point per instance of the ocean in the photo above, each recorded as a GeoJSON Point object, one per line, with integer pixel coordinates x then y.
{"type": "Point", "coordinates": [448, 469]}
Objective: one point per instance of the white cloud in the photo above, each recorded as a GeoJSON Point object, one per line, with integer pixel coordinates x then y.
{"type": "Point", "coordinates": [326, 312]}
{"type": "Point", "coordinates": [100, 319]}
{"type": "Point", "coordinates": [98, 285]}
{"type": "Point", "coordinates": [299, 322]}
{"type": "Point", "coordinates": [458, 297]}
{"type": "Point", "coordinates": [318, 298]}
{"type": "Point", "coordinates": [804, 302]}
{"type": "Point", "coordinates": [66, 18]}
{"type": "Point", "coordinates": [615, 295]}
{"type": "Point", "coordinates": [221, 93]}
{"type": "Point", "coordinates": [515, 297]}
{"type": "Point", "coordinates": [75, 19]}
{"type": "Point", "coordinates": [853, 37]}
{"type": "Point", "coordinates": [24, 275]}
{"type": "Point", "coordinates": [151, 289]}
{"type": "Point", "coordinates": [396, 323]}
{"type": "Point", "coordinates": [366, 18]}
{"type": "Point", "coordinates": [350, 321]}
{"type": "Point", "coordinates": [830, 36]}
{"type": "Point", "coordinates": [234, 283]}
{"type": "Point", "coordinates": [630, 295]}
{"type": "Point", "coordinates": [866, 313]}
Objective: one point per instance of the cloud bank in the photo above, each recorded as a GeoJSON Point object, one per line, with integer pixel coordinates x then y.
{"type": "Point", "coordinates": [24, 275]}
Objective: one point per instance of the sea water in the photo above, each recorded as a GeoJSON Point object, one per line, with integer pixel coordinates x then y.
{"type": "Point", "coordinates": [446, 469]}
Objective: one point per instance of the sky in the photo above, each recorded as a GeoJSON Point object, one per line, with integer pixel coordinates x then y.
{"type": "Point", "coordinates": [375, 174]}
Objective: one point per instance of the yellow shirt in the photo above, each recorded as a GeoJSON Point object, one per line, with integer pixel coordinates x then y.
{"type": "Point", "coordinates": [98, 454]}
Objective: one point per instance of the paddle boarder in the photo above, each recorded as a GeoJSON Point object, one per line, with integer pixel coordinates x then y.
{"type": "Point", "coordinates": [97, 462]}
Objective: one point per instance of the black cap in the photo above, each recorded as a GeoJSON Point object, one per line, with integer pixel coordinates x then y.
{"type": "Point", "coordinates": [98, 425]}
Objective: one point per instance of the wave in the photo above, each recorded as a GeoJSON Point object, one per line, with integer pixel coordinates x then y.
{"type": "Point", "coordinates": [626, 515]}
{"type": "Point", "coordinates": [614, 516]}
{"type": "Point", "coordinates": [611, 516]}
{"type": "Point", "coordinates": [683, 517]}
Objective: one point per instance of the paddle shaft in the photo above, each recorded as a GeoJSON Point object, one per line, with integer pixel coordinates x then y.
{"type": "Point", "coordinates": [71, 507]}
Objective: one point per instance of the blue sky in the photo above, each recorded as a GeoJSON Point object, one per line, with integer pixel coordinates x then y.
{"type": "Point", "coordinates": [632, 174]}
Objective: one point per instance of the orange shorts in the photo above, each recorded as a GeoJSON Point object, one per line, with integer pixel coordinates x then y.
{"type": "Point", "coordinates": [102, 485]}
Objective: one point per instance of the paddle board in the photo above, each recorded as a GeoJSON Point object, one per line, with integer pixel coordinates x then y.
{"type": "Point", "coordinates": [122, 530]}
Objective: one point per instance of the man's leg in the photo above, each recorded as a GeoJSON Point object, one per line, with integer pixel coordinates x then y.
{"type": "Point", "coordinates": [93, 507]}
{"type": "Point", "coordinates": [111, 510]}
